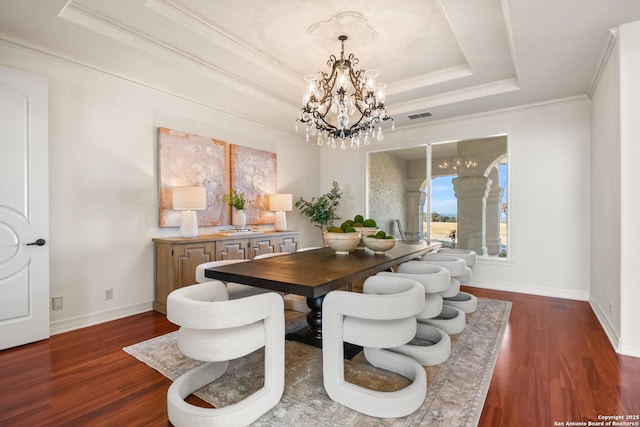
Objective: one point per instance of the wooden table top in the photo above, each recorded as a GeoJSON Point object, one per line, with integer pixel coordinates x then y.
{"type": "Point", "coordinates": [316, 272]}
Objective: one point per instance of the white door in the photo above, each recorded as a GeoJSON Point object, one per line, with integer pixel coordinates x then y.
{"type": "Point", "coordinates": [24, 208]}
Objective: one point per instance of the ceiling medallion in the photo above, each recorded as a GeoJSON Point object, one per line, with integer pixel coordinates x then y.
{"type": "Point", "coordinates": [352, 24]}
{"type": "Point", "coordinates": [344, 105]}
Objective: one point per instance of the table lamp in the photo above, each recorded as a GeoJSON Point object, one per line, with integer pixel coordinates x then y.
{"type": "Point", "coordinates": [280, 203]}
{"type": "Point", "coordinates": [188, 200]}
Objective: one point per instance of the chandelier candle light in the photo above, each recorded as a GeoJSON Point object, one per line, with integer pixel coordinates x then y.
{"type": "Point", "coordinates": [332, 100]}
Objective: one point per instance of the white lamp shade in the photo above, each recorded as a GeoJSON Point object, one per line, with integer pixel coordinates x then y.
{"type": "Point", "coordinates": [189, 198]}
{"type": "Point", "coordinates": [280, 202]}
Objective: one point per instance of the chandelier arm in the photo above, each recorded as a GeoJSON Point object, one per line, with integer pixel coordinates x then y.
{"type": "Point", "coordinates": [353, 60]}
{"type": "Point", "coordinates": [359, 107]}
{"type": "Point", "coordinates": [356, 127]}
{"type": "Point", "coordinates": [327, 83]}
{"type": "Point", "coordinates": [327, 126]}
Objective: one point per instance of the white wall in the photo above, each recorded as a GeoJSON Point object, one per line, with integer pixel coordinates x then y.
{"type": "Point", "coordinates": [605, 201]}
{"type": "Point", "coordinates": [549, 200]}
{"type": "Point", "coordinates": [616, 199]}
{"type": "Point", "coordinates": [629, 39]}
{"type": "Point", "coordinates": [104, 181]}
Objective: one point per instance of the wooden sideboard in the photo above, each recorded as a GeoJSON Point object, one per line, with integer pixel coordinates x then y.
{"type": "Point", "coordinates": [176, 258]}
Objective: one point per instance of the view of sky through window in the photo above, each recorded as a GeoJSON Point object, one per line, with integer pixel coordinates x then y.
{"type": "Point", "coordinates": [444, 200]}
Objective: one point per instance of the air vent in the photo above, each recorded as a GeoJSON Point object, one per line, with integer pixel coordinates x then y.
{"type": "Point", "coordinates": [420, 115]}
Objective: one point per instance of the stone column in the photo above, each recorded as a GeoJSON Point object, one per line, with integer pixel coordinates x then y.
{"type": "Point", "coordinates": [471, 192]}
{"type": "Point", "coordinates": [493, 214]}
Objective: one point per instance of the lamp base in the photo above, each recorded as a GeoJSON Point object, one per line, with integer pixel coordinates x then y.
{"type": "Point", "coordinates": [189, 224]}
{"type": "Point", "coordinates": [281, 221]}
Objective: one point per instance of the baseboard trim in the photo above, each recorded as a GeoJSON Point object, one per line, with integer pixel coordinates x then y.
{"type": "Point", "coordinates": [612, 333]}
{"type": "Point", "coordinates": [70, 324]}
{"type": "Point", "coordinates": [609, 329]}
{"type": "Point", "coordinates": [629, 351]}
{"type": "Point", "coordinates": [531, 290]}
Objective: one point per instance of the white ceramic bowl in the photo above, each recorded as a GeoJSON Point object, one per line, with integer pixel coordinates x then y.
{"type": "Point", "coordinates": [342, 243]}
{"type": "Point", "coordinates": [379, 246]}
{"type": "Point", "coordinates": [364, 232]}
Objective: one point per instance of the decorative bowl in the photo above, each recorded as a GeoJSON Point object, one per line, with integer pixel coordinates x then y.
{"type": "Point", "coordinates": [379, 246]}
{"type": "Point", "coordinates": [364, 232]}
{"type": "Point", "coordinates": [342, 243]}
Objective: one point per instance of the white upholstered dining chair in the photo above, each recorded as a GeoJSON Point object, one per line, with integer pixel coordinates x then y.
{"type": "Point", "coordinates": [215, 330]}
{"type": "Point", "coordinates": [381, 317]}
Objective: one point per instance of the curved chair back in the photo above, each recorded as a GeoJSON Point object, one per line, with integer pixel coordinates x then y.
{"type": "Point", "coordinates": [469, 256]}
{"type": "Point", "coordinates": [456, 266]}
{"type": "Point", "coordinates": [433, 279]}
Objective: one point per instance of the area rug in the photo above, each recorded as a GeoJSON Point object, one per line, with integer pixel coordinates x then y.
{"type": "Point", "coordinates": [455, 395]}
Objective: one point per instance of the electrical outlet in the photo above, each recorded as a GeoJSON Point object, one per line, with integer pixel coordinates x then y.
{"type": "Point", "coordinates": [610, 307]}
{"type": "Point", "coordinates": [108, 293]}
{"type": "Point", "coordinates": [56, 303]}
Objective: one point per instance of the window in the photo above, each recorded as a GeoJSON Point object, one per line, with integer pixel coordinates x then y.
{"type": "Point", "coordinates": [455, 192]}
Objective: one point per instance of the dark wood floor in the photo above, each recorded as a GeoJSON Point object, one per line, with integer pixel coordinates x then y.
{"type": "Point", "coordinates": [555, 365]}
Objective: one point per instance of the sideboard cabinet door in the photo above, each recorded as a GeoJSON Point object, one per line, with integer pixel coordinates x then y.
{"type": "Point", "coordinates": [287, 243]}
{"type": "Point", "coordinates": [263, 245]}
{"type": "Point", "coordinates": [232, 249]}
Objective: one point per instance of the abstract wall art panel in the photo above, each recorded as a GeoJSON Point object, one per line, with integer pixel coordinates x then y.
{"type": "Point", "coordinates": [254, 173]}
{"type": "Point", "coordinates": [193, 160]}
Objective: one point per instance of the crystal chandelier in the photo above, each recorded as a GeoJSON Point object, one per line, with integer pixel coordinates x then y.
{"type": "Point", "coordinates": [458, 164]}
{"type": "Point", "coordinates": [345, 106]}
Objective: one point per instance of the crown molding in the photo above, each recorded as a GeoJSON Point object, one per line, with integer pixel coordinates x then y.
{"type": "Point", "coordinates": [612, 38]}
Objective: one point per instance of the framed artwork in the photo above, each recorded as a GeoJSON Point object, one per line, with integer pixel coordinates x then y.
{"type": "Point", "coordinates": [254, 173]}
{"type": "Point", "coordinates": [192, 160]}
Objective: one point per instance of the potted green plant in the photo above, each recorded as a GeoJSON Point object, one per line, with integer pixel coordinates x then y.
{"type": "Point", "coordinates": [321, 211]}
{"type": "Point", "coordinates": [239, 202]}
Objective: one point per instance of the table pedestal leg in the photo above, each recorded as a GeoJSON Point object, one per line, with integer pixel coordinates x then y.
{"type": "Point", "coordinates": [313, 334]}
{"type": "Point", "coordinates": [314, 319]}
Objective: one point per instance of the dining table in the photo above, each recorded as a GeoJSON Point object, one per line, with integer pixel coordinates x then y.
{"type": "Point", "coordinates": [315, 273]}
